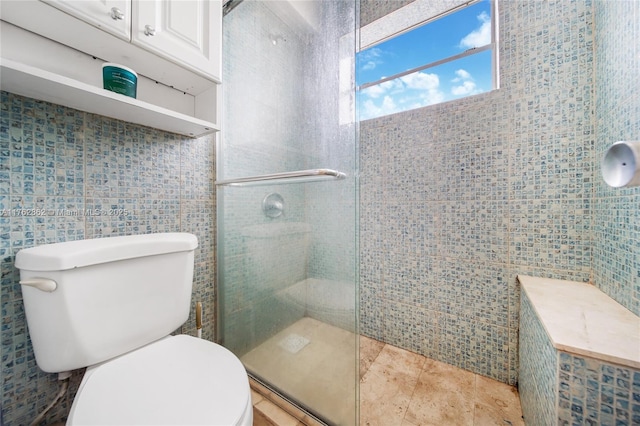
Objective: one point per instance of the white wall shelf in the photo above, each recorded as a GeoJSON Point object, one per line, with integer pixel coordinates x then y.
{"type": "Point", "coordinates": [46, 86]}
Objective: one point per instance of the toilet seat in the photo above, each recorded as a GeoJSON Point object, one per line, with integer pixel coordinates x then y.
{"type": "Point", "coordinates": [178, 380]}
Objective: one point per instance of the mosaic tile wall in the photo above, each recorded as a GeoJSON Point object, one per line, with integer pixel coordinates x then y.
{"type": "Point", "coordinates": [538, 380]}
{"type": "Point", "coordinates": [63, 160]}
{"type": "Point", "coordinates": [458, 198]}
{"type": "Point", "coordinates": [616, 211]}
{"type": "Point", "coordinates": [572, 389]}
{"type": "Point", "coordinates": [370, 10]}
{"type": "Point", "coordinates": [592, 392]}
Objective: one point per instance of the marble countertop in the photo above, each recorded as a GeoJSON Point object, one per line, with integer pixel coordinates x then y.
{"type": "Point", "coordinates": [580, 319]}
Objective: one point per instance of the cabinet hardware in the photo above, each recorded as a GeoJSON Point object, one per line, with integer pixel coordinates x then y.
{"type": "Point", "coordinates": [116, 14]}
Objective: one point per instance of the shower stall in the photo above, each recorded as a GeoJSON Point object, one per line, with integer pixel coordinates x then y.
{"type": "Point", "coordinates": [287, 201]}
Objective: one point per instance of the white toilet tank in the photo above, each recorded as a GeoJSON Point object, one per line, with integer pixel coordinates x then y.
{"type": "Point", "coordinates": [112, 295]}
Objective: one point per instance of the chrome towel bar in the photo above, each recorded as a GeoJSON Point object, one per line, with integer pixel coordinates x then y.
{"type": "Point", "coordinates": [286, 177]}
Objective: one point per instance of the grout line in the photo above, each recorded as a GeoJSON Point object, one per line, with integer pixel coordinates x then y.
{"type": "Point", "coordinates": [424, 362]}
{"type": "Point", "coordinates": [373, 360]}
{"type": "Point", "coordinates": [475, 398]}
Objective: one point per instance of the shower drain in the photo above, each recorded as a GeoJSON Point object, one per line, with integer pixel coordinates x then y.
{"type": "Point", "coordinates": [293, 343]}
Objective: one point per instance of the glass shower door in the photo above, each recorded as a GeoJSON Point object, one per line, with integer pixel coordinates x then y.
{"type": "Point", "coordinates": [287, 247]}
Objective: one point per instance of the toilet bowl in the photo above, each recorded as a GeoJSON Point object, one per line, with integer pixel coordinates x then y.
{"type": "Point", "coordinates": [179, 380]}
{"type": "Point", "coordinates": [111, 305]}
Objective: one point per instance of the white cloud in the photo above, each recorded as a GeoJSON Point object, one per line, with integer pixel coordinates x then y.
{"type": "Point", "coordinates": [421, 80]}
{"type": "Point", "coordinates": [370, 109]}
{"type": "Point", "coordinates": [479, 36]}
{"type": "Point", "coordinates": [392, 86]}
{"type": "Point", "coordinates": [428, 85]}
{"type": "Point", "coordinates": [462, 75]}
{"type": "Point", "coordinates": [408, 92]}
{"type": "Point", "coordinates": [370, 53]}
{"type": "Point", "coordinates": [370, 58]}
{"type": "Point", "coordinates": [432, 97]}
{"type": "Point", "coordinates": [374, 91]}
{"type": "Point", "coordinates": [369, 66]}
{"type": "Point", "coordinates": [466, 87]}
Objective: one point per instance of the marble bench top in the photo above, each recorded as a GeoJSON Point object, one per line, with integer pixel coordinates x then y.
{"type": "Point", "coordinates": [580, 319]}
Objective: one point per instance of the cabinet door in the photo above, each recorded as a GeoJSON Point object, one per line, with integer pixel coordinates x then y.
{"type": "Point", "coordinates": [187, 32]}
{"type": "Point", "coordinates": [112, 16]}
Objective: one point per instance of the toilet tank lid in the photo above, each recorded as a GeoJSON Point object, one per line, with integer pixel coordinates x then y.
{"type": "Point", "coordinates": [76, 254]}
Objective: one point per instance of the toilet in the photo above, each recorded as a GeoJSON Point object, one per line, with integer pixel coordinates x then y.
{"type": "Point", "coordinates": [110, 305]}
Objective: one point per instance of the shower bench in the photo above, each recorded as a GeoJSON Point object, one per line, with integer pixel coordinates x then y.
{"type": "Point", "coordinates": [579, 355]}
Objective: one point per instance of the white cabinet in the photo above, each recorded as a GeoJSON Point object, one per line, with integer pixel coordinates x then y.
{"type": "Point", "coordinates": [184, 31]}
{"type": "Point", "coordinates": [112, 16]}
{"type": "Point", "coordinates": [184, 52]}
{"type": "Point", "coordinates": [71, 39]}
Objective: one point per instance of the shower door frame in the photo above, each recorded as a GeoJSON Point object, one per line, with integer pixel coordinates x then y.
{"type": "Point", "coordinates": [298, 176]}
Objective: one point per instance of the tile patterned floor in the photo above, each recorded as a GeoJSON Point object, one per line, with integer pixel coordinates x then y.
{"type": "Point", "coordinates": [321, 374]}
{"type": "Point", "coordinates": [398, 387]}
{"type": "Point", "coordinates": [266, 413]}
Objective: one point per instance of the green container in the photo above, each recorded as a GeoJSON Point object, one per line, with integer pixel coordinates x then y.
{"type": "Point", "coordinates": [119, 79]}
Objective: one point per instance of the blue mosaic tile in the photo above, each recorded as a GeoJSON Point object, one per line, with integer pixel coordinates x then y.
{"type": "Point", "coordinates": [616, 215]}
{"type": "Point", "coordinates": [526, 205]}
{"type": "Point", "coordinates": [197, 168]}
{"type": "Point", "coordinates": [198, 218]}
{"type": "Point", "coordinates": [578, 390]}
{"type": "Point", "coordinates": [133, 186]}
{"type": "Point", "coordinates": [486, 187]}
{"type": "Point", "coordinates": [540, 390]}
{"type": "Point", "coordinates": [597, 391]}
{"type": "Point", "coordinates": [420, 331]}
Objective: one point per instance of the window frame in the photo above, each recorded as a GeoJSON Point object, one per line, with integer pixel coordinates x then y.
{"type": "Point", "coordinates": [493, 45]}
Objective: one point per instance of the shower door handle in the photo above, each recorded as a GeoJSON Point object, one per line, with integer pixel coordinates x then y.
{"type": "Point", "coordinates": [297, 176]}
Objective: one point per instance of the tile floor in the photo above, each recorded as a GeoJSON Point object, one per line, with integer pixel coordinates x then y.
{"type": "Point", "coordinates": [398, 387]}
{"type": "Point", "coordinates": [313, 361]}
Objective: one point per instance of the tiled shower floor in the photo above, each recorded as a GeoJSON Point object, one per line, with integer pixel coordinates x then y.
{"type": "Point", "coordinates": [398, 387]}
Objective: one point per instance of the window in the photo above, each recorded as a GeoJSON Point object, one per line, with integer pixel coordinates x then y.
{"type": "Point", "coordinates": [447, 57]}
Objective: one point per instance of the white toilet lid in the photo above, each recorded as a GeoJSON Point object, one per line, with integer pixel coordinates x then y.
{"type": "Point", "coordinates": [179, 380]}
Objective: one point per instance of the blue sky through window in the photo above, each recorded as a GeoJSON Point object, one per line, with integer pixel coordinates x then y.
{"type": "Point", "coordinates": [448, 36]}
